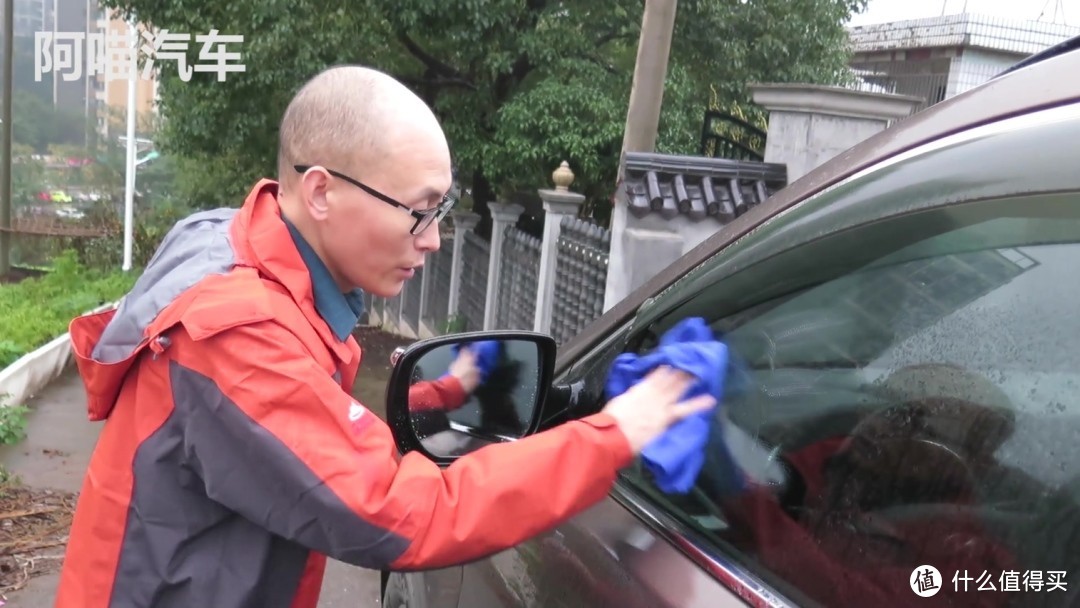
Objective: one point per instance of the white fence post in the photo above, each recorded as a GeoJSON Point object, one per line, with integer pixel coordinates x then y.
{"type": "Point", "coordinates": [463, 222]}
{"type": "Point", "coordinates": [425, 290]}
{"type": "Point", "coordinates": [558, 203]}
{"type": "Point", "coordinates": [502, 216]}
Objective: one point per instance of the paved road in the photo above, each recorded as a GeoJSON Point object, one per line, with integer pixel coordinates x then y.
{"type": "Point", "coordinates": [57, 424]}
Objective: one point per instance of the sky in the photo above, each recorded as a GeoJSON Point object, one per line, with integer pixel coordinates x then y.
{"type": "Point", "coordinates": [882, 11]}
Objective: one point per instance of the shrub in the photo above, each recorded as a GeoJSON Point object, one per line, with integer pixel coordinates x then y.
{"type": "Point", "coordinates": [149, 229]}
{"type": "Point", "coordinates": [36, 310]}
{"type": "Point", "coordinates": [12, 423]}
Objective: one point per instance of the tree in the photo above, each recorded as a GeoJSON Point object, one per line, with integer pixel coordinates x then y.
{"type": "Point", "coordinates": [518, 84]}
{"type": "Point", "coordinates": [40, 125]}
{"type": "Point", "coordinates": [27, 175]}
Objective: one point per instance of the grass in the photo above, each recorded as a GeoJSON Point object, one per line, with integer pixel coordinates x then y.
{"type": "Point", "coordinates": [36, 310]}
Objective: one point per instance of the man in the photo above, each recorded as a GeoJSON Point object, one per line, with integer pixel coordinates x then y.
{"type": "Point", "coordinates": [233, 458]}
{"type": "Point", "coordinates": [451, 390]}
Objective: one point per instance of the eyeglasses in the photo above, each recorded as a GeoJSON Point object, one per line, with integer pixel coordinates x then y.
{"type": "Point", "coordinates": [423, 218]}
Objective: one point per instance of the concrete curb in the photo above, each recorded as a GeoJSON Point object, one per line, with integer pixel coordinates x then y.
{"type": "Point", "coordinates": [33, 371]}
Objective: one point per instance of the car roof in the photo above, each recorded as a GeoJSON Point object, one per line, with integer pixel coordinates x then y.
{"type": "Point", "coordinates": [1039, 82]}
{"type": "Point", "coordinates": [1060, 48]}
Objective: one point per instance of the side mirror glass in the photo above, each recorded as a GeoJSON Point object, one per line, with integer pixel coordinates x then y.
{"type": "Point", "coordinates": [454, 394]}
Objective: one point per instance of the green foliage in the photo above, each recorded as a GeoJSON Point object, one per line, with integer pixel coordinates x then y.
{"type": "Point", "coordinates": [27, 175]}
{"type": "Point", "coordinates": [12, 425]}
{"type": "Point", "coordinates": [7, 479]}
{"type": "Point", "coordinates": [456, 324]}
{"type": "Point", "coordinates": [36, 310]}
{"type": "Point", "coordinates": [520, 85]}
{"type": "Point", "coordinates": [39, 125]}
{"type": "Point", "coordinates": [148, 230]}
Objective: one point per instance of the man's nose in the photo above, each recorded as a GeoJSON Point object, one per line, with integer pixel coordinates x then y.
{"type": "Point", "coordinates": [428, 240]}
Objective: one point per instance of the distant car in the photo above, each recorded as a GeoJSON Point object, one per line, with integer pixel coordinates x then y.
{"type": "Point", "coordinates": [70, 213]}
{"type": "Point", "coordinates": [907, 399]}
{"type": "Point", "coordinates": [85, 196]}
{"type": "Point", "coordinates": [59, 196]}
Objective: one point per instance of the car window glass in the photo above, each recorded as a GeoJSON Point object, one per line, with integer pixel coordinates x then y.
{"type": "Point", "coordinates": [903, 394]}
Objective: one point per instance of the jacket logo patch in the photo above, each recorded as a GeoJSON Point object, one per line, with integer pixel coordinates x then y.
{"type": "Point", "coordinates": [359, 418]}
{"type": "Point", "coordinates": [356, 412]}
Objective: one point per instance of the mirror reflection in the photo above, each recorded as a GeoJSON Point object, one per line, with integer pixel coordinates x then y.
{"type": "Point", "coordinates": [468, 394]}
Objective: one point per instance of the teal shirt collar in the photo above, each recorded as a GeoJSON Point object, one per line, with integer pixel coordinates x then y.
{"type": "Point", "coordinates": [341, 311]}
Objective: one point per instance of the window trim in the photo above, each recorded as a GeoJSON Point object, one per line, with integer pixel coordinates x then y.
{"type": "Point", "coordinates": [693, 291]}
{"type": "Point", "coordinates": [741, 581]}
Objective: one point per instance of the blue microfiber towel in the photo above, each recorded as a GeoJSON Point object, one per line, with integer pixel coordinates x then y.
{"type": "Point", "coordinates": [676, 457]}
{"type": "Point", "coordinates": [487, 355]}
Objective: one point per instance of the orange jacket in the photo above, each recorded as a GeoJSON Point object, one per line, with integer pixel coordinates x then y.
{"type": "Point", "coordinates": [444, 394]}
{"type": "Point", "coordinates": [233, 457]}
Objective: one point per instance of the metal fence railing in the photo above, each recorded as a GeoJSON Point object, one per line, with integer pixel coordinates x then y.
{"type": "Point", "coordinates": [518, 280]}
{"type": "Point", "coordinates": [581, 262]}
{"type": "Point", "coordinates": [580, 277]}
{"type": "Point", "coordinates": [410, 301]}
{"type": "Point", "coordinates": [474, 271]}
{"type": "Point", "coordinates": [439, 264]}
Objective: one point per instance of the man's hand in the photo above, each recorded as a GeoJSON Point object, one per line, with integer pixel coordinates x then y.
{"type": "Point", "coordinates": [649, 407]}
{"type": "Point", "coordinates": [464, 368]}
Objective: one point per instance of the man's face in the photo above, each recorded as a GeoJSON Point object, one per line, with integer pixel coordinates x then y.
{"type": "Point", "coordinates": [366, 241]}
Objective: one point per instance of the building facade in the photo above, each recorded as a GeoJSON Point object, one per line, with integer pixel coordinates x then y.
{"type": "Point", "coordinates": [111, 95]}
{"type": "Point", "coordinates": [939, 57]}
{"type": "Point", "coordinates": [101, 101]}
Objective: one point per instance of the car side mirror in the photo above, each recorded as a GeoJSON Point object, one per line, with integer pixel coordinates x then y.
{"type": "Point", "coordinates": [452, 395]}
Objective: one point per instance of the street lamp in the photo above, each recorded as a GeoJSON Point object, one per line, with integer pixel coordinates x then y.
{"type": "Point", "coordinates": [129, 186]}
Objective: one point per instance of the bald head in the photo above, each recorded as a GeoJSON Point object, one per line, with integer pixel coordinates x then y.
{"type": "Point", "coordinates": [348, 117]}
{"type": "Point", "coordinates": [369, 141]}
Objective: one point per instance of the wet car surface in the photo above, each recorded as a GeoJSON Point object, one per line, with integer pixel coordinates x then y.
{"type": "Point", "coordinates": [909, 357]}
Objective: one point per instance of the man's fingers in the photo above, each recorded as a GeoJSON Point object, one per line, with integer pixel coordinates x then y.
{"type": "Point", "coordinates": [690, 407]}
{"type": "Point", "coordinates": [660, 377]}
{"type": "Point", "coordinates": [666, 378]}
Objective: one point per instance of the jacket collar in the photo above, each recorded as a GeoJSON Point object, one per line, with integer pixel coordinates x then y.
{"type": "Point", "coordinates": [262, 240]}
{"type": "Point", "coordinates": [341, 311]}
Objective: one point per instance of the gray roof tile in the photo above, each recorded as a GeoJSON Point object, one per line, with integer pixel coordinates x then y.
{"type": "Point", "coordinates": [698, 187]}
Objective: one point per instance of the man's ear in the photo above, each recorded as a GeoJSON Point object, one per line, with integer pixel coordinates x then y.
{"type": "Point", "coordinates": [313, 189]}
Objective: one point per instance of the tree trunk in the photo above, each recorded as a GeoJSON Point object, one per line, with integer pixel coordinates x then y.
{"type": "Point", "coordinates": [482, 194]}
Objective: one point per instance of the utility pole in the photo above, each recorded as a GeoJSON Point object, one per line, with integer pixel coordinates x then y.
{"type": "Point", "coordinates": [642, 123]}
{"type": "Point", "coordinates": [5, 167]}
{"type": "Point", "coordinates": [650, 72]}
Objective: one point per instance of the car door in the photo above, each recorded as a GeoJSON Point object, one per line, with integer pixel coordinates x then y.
{"type": "Point", "coordinates": [622, 552]}
{"type": "Point", "coordinates": [902, 403]}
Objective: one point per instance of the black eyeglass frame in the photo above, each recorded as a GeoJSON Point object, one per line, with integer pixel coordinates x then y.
{"type": "Point", "coordinates": [423, 218]}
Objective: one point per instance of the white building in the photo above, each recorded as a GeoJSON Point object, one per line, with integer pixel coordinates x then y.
{"type": "Point", "coordinates": [938, 57]}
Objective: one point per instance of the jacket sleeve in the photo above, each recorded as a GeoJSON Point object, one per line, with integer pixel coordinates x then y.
{"type": "Point", "coordinates": [274, 438]}
{"type": "Point", "coordinates": [444, 394]}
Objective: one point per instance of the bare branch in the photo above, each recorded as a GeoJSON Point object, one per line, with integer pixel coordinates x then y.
{"type": "Point", "coordinates": [435, 65]}
{"type": "Point", "coordinates": [611, 36]}
{"type": "Point", "coordinates": [437, 82]}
